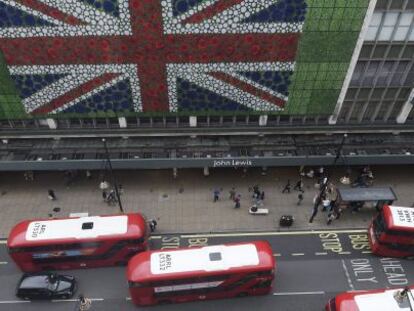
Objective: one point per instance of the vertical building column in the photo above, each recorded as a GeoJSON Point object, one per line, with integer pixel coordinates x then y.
{"type": "Point", "coordinates": [263, 120]}
{"type": "Point", "coordinates": [51, 123]}
{"type": "Point", "coordinates": [193, 121]}
{"type": "Point", "coordinates": [370, 11]}
{"type": "Point", "coordinates": [122, 122]}
{"type": "Point", "coordinates": [406, 109]}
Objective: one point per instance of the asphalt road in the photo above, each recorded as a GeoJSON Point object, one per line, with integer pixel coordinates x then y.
{"type": "Point", "coordinates": [311, 268]}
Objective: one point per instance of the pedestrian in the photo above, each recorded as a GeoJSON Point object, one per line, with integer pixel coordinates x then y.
{"type": "Point", "coordinates": [104, 195]}
{"type": "Point", "coordinates": [88, 174]}
{"type": "Point", "coordinates": [237, 201]}
{"type": "Point", "coordinates": [334, 213]}
{"type": "Point", "coordinates": [152, 224]}
{"type": "Point", "coordinates": [326, 203]}
{"type": "Point", "coordinates": [51, 195]}
{"type": "Point", "coordinates": [216, 194]}
{"type": "Point", "coordinates": [310, 174]}
{"type": "Point", "coordinates": [262, 196]}
{"type": "Point", "coordinates": [104, 185]}
{"type": "Point", "coordinates": [317, 200]}
{"type": "Point", "coordinates": [299, 185]}
{"type": "Point", "coordinates": [287, 187]}
{"type": "Point", "coordinates": [232, 193]}
{"type": "Point", "coordinates": [300, 198]}
{"type": "Point", "coordinates": [111, 199]}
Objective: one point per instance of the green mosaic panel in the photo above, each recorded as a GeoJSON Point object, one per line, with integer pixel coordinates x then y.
{"type": "Point", "coordinates": [330, 34]}
{"type": "Point", "coordinates": [11, 106]}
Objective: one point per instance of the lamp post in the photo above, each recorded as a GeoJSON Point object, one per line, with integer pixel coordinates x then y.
{"type": "Point", "coordinates": [112, 176]}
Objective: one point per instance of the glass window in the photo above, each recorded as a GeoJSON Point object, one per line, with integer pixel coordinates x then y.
{"type": "Point", "coordinates": [401, 33]}
{"type": "Point", "coordinates": [376, 19]}
{"type": "Point", "coordinates": [390, 19]}
{"type": "Point", "coordinates": [371, 33]}
{"type": "Point", "coordinates": [406, 19]}
{"type": "Point", "coordinates": [385, 33]}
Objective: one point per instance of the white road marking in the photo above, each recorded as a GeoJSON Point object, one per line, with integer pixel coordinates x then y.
{"type": "Point", "coordinates": [3, 262]}
{"type": "Point", "coordinates": [277, 255]}
{"type": "Point", "coordinates": [344, 253]}
{"type": "Point", "coordinates": [72, 300]}
{"type": "Point", "coordinates": [14, 301]}
{"type": "Point", "coordinates": [3, 241]}
{"type": "Point", "coordinates": [128, 298]}
{"type": "Point", "coordinates": [321, 253]}
{"type": "Point", "coordinates": [297, 254]}
{"type": "Point", "coordinates": [347, 275]}
{"type": "Point", "coordinates": [299, 293]}
{"type": "Point", "coordinates": [217, 235]}
{"type": "Point", "coordinates": [366, 252]}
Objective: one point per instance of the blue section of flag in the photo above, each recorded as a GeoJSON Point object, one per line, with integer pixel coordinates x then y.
{"type": "Point", "coordinates": [287, 11]}
{"type": "Point", "coordinates": [183, 6]}
{"type": "Point", "coordinates": [107, 6]}
{"type": "Point", "coordinates": [115, 98]}
{"type": "Point", "coordinates": [27, 85]}
{"type": "Point", "coordinates": [13, 17]}
{"type": "Point", "coordinates": [191, 97]}
{"type": "Point", "coordinates": [278, 81]}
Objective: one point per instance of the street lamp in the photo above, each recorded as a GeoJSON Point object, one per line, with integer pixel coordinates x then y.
{"type": "Point", "coordinates": [112, 176]}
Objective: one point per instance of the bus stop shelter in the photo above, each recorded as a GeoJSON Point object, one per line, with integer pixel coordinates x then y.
{"type": "Point", "coordinates": [377, 196]}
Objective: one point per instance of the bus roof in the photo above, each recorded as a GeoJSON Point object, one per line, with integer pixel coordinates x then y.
{"type": "Point", "coordinates": [372, 300]}
{"type": "Point", "coordinates": [207, 260]}
{"type": "Point", "coordinates": [71, 230]}
{"type": "Point", "coordinates": [398, 217]}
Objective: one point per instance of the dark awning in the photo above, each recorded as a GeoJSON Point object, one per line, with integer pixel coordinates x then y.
{"type": "Point", "coordinates": [367, 194]}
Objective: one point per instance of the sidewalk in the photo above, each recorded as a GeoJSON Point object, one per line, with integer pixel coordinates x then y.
{"type": "Point", "coordinates": [185, 204]}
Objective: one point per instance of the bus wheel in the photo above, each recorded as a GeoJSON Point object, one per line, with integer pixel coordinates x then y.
{"type": "Point", "coordinates": [242, 294]}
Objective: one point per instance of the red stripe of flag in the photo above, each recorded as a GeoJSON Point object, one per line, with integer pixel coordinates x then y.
{"type": "Point", "coordinates": [210, 11]}
{"type": "Point", "coordinates": [75, 93]}
{"type": "Point", "coordinates": [51, 11]}
{"type": "Point", "coordinates": [248, 88]}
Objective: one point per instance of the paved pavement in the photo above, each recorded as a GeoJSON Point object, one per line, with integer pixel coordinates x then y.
{"type": "Point", "coordinates": [185, 204]}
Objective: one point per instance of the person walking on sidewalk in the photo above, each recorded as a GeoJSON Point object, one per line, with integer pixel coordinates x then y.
{"type": "Point", "coordinates": [237, 201]}
{"type": "Point", "coordinates": [232, 193]}
{"type": "Point", "coordinates": [262, 196]}
{"type": "Point", "coordinates": [287, 187]}
{"type": "Point", "coordinates": [299, 185]}
{"type": "Point", "coordinates": [317, 200]}
{"type": "Point", "coordinates": [216, 194]}
{"type": "Point", "coordinates": [152, 224]}
{"type": "Point", "coordinates": [300, 198]}
{"type": "Point", "coordinates": [51, 195]}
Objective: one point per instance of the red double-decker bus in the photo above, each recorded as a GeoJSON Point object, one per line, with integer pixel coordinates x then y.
{"type": "Point", "coordinates": [81, 242]}
{"type": "Point", "coordinates": [398, 299]}
{"type": "Point", "coordinates": [199, 273]}
{"type": "Point", "coordinates": [391, 233]}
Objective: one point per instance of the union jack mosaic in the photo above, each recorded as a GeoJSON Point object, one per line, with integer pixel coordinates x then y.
{"type": "Point", "coordinates": [149, 55]}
